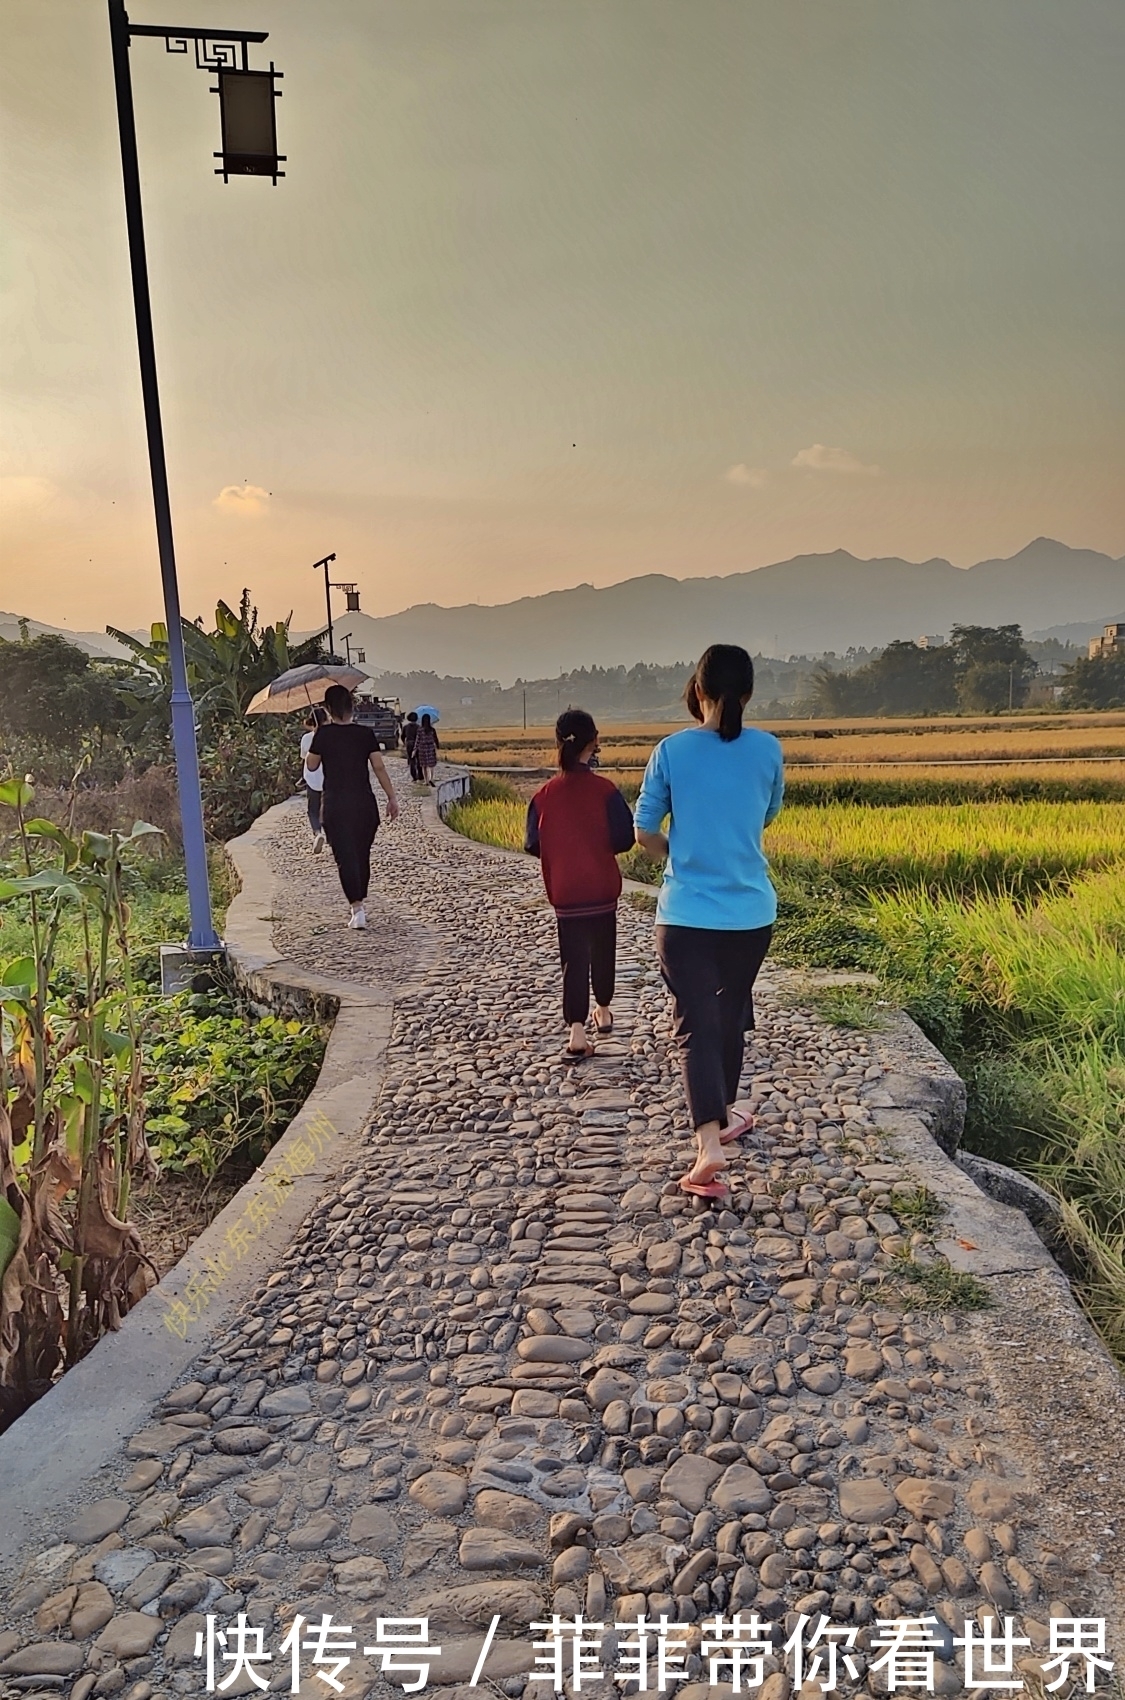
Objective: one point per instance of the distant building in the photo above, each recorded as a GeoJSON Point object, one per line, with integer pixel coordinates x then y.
{"type": "Point", "coordinates": [930, 642]}
{"type": "Point", "coordinates": [1111, 640]}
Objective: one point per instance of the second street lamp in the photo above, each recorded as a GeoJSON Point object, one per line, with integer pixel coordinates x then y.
{"type": "Point", "coordinates": [249, 137]}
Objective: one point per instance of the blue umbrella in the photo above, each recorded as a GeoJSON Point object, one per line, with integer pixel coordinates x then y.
{"type": "Point", "coordinates": [428, 708]}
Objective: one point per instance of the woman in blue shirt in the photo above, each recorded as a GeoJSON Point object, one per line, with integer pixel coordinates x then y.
{"type": "Point", "coordinates": [720, 783]}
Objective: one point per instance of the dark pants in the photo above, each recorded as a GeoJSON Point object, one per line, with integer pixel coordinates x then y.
{"type": "Point", "coordinates": [711, 975]}
{"type": "Point", "coordinates": [588, 948]}
{"type": "Point", "coordinates": [350, 824]}
{"type": "Point", "coordinates": [314, 799]}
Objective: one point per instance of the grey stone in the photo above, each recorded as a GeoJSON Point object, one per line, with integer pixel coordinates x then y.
{"type": "Point", "coordinates": [441, 1492]}
{"type": "Point", "coordinates": [606, 1385]}
{"type": "Point", "coordinates": [497, 1549]}
{"type": "Point", "coordinates": [207, 1526]}
{"type": "Point", "coordinates": [286, 1402]}
{"type": "Point", "coordinates": [552, 1349]}
{"type": "Point", "coordinates": [94, 1522]}
{"type": "Point", "coordinates": [866, 1501]}
{"type": "Point", "coordinates": [640, 1566]}
{"type": "Point", "coordinates": [45, 1658]}
{"type": "Point", "coordinates": [690, 1479]}
{"type": "Point", "coordinates": [741, 1491]}
{"type": "Point", "coordinates": [316, 1533]}
{"type": "Point", "coordinates": [92, 1610]}
{"type": "Point", "coordinates": [241, 1442]}
{"type": "Point", "coordinates": [129, 1634]}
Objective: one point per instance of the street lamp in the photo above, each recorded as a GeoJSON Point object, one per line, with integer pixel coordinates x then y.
{"type": "Point", "coordinates": [249, 137]}
{"type": "Point", "coordinates": [350, 591]}
{"type": "Point", "coordinates": [360, 654]}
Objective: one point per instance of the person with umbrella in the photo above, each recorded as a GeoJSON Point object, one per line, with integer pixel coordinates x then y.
{"type": "Point", "coordinates": [426, 748]}
{"type": "Point", "coordinates": [349, 754]}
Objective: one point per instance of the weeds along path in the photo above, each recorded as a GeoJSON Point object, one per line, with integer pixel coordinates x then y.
{"type": "Point", "coordinates": [507, 1370]}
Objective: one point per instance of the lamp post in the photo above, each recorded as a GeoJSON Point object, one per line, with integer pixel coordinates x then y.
{"type": "Point", "coordinates": [360, 654]}
{"type": "Point", "coordinates": [351, 591]}
{"type": "Point", "coordinates": [249, 137]}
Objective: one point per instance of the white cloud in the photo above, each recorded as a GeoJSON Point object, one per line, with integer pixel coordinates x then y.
{"type": "Point", "coordinates": [820, 458]}
{"type": "Point", "coordinates": [245, 499]}
{"type": "Point", "coordinates": [754, 477]}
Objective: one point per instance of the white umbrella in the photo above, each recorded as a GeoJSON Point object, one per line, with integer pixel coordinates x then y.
{"type": "Point", "coordinates": [301, 687]}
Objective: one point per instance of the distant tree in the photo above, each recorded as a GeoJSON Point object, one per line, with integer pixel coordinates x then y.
{"type": "Point", "coordinates": [51, 696]}
{"type": "Point", "coordinates": [994, 670]}
{"type": "Point", "coordinates": [904, 679]}
{"type": "Point", "coordinates": [1097, 682]}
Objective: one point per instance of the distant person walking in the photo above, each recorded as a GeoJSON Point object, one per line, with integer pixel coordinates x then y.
{"type": "Point", "coordinates": [578, 824]}
{"type": "Point", "coordinates": [409, 743]}
{"type": "Point", "coordinates": [426, 748]}
{"type": "Point", "coordinates": [349, 755]}
{"type": "Point", "coordinates": [720, 783]}
{"type": "Point", "coordinates": [313, 778]}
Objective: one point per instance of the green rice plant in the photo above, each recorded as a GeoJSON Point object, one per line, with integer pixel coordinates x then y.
{"type": "Point", "coordinates": [490, 822]}
{"type": "Point", "coordinates": [1021, 848]}
{"type": "Point", "coordinates": [487, 789]}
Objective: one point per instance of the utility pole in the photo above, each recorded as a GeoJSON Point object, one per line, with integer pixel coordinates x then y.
{"type": "Point", "coordinates": [525, 710]}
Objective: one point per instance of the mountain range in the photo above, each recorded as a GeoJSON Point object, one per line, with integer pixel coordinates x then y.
{"type": "Point", "coordinates": [810, 605]}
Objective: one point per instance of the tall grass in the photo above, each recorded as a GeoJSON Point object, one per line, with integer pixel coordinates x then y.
{"type": "Point", "coordinates": [1032, 1002]}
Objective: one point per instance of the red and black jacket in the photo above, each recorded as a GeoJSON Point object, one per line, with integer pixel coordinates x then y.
{"type": "Point", "coordinates": [578, 824]}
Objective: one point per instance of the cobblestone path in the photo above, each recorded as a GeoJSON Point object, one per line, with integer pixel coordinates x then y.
{"type": "Point", "coordinates": [507, 1369]}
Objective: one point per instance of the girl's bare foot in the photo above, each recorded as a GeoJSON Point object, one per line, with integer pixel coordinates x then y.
{"type": "Point", "coordinates": [578, 1045]}
{"type": "Point", "coordinates": [710, 1158]}
{"type": "Point", "coordinates": [603, 1019]}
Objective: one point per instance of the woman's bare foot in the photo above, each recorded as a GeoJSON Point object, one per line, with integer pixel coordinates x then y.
{"type": "Point", "coordinates": [603, 1019]}
{"type": "Point", "coordinates": [710, 1158]}
{"type": "Point", "coordinates": [578, 1045]}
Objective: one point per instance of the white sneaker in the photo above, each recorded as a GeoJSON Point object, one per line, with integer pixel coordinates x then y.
{"type": "Point", "coordinates": [318, 843]}
{"type": "Point", "coordinates": [359, 918]}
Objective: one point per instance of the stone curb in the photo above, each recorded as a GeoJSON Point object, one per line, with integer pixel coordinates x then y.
{"type": "Point", "coordinates": [82, 1423]}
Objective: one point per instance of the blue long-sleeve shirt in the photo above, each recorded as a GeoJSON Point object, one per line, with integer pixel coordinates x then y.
{"type": "Point", "coordinates": [719, 796]}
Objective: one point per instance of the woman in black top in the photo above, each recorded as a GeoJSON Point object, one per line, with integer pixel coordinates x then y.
{"type": "Point", "coordinates": [349, 755]}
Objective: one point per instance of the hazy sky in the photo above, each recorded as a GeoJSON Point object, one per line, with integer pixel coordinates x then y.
{"type": "Point", "coordinates": [565, 290]}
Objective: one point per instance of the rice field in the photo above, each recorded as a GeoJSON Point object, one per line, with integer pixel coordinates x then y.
{"type": "Point", "coordinates": [966, 847]}
{"type": "Point", "coordinates": [1075, 745]}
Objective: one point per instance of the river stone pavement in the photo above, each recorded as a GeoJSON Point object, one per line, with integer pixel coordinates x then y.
{"type": "Point", "coordinates": [507, 1368]}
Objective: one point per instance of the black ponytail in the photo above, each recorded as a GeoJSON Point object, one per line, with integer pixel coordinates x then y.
{"type": "Point", "coordinates": [574, 732]}
{"type": "Point", "coordinates": [725, 674]}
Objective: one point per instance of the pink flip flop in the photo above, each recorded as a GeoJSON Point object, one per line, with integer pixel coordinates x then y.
{"type": "Point", "coordinates": [704, 1189]}
{"type": "Point", "coordinates": [735, 1128]}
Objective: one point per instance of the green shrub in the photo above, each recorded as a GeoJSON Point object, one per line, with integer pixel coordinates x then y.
{"type": "Point", "coordinates": [223, 1083]}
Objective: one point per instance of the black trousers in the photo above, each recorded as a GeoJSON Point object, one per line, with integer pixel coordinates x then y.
{"type": "Point", "coordinates": [350, 824]}
{"type": "Point", "coordinates": [588, 948]}
{"type": "Point", "coordinates": [711, 975]}
{"type": "Point", "coordinates": [314, 799]}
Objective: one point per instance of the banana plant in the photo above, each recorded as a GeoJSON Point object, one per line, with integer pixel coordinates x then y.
{"type": "Point", "coordinates": [71, 1107]}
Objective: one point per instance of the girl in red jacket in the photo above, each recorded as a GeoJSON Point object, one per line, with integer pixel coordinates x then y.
{"type": "Point", "coordinates": [578, 824]}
